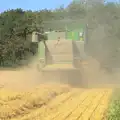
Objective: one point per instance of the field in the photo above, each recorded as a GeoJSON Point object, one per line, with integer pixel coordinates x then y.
{"type": "Point", "coordinates": [48, 102]}
{"type": "Point", "coordinates": [25, 96]}
{"type": "Point", "coordinates": [21, 98]}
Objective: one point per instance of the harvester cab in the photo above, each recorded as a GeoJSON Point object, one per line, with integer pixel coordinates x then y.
{"type": "Point", "coordinates": [60, 58]}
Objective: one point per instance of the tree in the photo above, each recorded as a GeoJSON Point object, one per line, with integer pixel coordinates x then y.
{"type": "Point", "coordinates": [16, 26]}
{"type": "Point", "coordinates": [76, 10]}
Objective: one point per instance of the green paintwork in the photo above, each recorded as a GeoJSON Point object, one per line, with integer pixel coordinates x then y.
{"type": "Point", "coordinates": [73, 35]}
{"type": "Point", "coordinates": [69, 35]}
{"type": "Point", "coordinates": [55, 35]}
{"type": "Point", "coordinates": [41, 50]}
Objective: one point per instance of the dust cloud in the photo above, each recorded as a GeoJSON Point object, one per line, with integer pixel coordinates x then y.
{"type": "Point", "coordinates": [23, 78]}
{"type": "Point", "coordinates": [27, 78]}
{"type": "Point", "coordinates": [104, 65]}
{"type": "Point", "coordinates": [95, 76]}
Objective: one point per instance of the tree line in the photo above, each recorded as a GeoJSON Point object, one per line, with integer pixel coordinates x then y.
{"type": "Point", "coordinates": [17, 25]}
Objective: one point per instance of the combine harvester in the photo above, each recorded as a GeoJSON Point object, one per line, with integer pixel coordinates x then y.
{"type": "Point", "coordinates": [61, 56]}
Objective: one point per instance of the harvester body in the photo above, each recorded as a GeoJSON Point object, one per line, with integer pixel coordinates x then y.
{"type": "Point", "coordinates": [60, 58]}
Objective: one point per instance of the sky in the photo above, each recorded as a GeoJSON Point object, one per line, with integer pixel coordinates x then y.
{"type": "Point", "coordinates": [34, 4]}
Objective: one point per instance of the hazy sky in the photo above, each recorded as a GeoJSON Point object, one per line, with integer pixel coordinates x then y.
{"type": "Point", "coordinates": [33, 4]}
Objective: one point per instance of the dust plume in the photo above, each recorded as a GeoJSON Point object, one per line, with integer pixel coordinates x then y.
{"type": "Point", "coordinates": [25, 78]}
{"type": "Point", "coordinates": [22, 78]}
{"type": "Point", "coordinates": [104, 65]}
{"type": "Point", "coordinates": [29, 77]}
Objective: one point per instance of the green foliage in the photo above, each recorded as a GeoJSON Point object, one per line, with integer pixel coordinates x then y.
{"type": "Point", "coordinates": [16, 27]}
{"type": "Point", "coordinates": [76, 10]}
{"type": "Point", "coordinates": [113, 112]}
